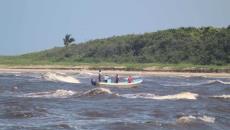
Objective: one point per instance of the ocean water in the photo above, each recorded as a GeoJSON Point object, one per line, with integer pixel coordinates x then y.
{"type": "Point", "coordinates": [33, 101]}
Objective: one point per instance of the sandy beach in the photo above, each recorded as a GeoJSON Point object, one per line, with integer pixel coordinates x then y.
{"type": "Point", "coordinates": [120, 72]}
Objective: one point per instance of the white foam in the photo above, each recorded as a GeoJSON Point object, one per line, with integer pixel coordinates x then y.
{"type": "Point", "coordinates": [177, 84]}
{"type": "Point", "coordinates": [207, 119]}
{"type": "Point", "coordinates": [217, 81]}
{"type": "Point", "coordinates": [222, 96]}
{"type": "Point", "coordinates": [60, 93]}
{"type": "Point", "coordinates": [183, 95]}
{"type": "Point", "coordinates": [60, 77]}
{"type": "Point", "coordinates": [63, 93]}
{"type": "Point", "coordinates": [187, 83]}
{"type": "Point", "coordinates": [190, 118]}
{"type": "Point", "coordinates": [186, 119]}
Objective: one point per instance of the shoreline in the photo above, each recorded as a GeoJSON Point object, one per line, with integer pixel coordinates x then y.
{"type": "Point", "coordinates": [118, 71]}
{"type": "Point", "coordinates": [135, 67]}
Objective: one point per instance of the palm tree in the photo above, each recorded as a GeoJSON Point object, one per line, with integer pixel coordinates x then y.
{"type": "Point", "coordinates": [68, 40]}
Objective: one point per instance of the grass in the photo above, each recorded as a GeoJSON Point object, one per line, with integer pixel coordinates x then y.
{"type": "Point", "coordinates": [22, 62]}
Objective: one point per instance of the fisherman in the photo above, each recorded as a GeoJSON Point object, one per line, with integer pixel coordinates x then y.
{"type": "Point", "coordinates": [99, 76]}
{"type": "Point", "coordinates": [93, 82]}
{"type": "Point", "coordinates": [130, 79]}
{"type": "Point", "coordinates": [116, 78]}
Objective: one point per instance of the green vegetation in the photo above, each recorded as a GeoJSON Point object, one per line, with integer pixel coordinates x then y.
{"type": "Point", "coordinates": [205, 47]}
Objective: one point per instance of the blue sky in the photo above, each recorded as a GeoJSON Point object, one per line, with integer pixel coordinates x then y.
{"type": "Point", "coordinates": [33, 25]}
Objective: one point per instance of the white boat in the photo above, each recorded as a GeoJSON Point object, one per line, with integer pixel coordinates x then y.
{"type": "Point", "coordinates": [134, 83]}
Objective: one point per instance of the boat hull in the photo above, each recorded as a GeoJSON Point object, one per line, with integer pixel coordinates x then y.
{"type": "Point", "coordinates": [135, 83]}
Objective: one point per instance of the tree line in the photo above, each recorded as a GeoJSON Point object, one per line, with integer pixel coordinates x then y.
{"type": "Point", "coordinates": [205, 45]}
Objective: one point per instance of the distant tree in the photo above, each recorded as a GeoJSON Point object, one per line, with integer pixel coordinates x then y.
{"type": "Point", "coordinates": [228, 27]}
{"type": "Point", "coordinates": [68, 40]}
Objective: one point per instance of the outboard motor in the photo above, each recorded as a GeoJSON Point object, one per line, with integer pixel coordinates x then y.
{"type": "Point", "coordinates": [93, 82]}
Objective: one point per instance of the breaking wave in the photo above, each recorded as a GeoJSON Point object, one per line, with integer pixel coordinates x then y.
{"type": "Point", "coordinates": [222, 82]}
{"type": "Point", "coordinates": [183, 95]}
{"type": "Point", "coordinates": [60, 77]}
{"type": "Point", "coordinates": [97, 91]}
{"type": "Point", "coordinates": [221, 96]}
{"type": "Point", "coordinates": [190, 119]}
{"type": "Point", "coordinates": [60, 93]}
{"type": "Point", "coordinates": [195, 84]}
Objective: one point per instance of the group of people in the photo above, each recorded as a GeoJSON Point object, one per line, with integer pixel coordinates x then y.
{"type": "Point", "coordinates": [108, 79]}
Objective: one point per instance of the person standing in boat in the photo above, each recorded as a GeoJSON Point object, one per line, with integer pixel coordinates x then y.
{"type": "Point", "coordinates": [99, 76]}
{"type": "Point", "coordinates": [116, 78]}
{"type": "Point", "coordinates": [130, 79]}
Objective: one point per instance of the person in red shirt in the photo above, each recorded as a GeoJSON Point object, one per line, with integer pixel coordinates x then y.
{"type": "Point", "coordinates": [130, 79]}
